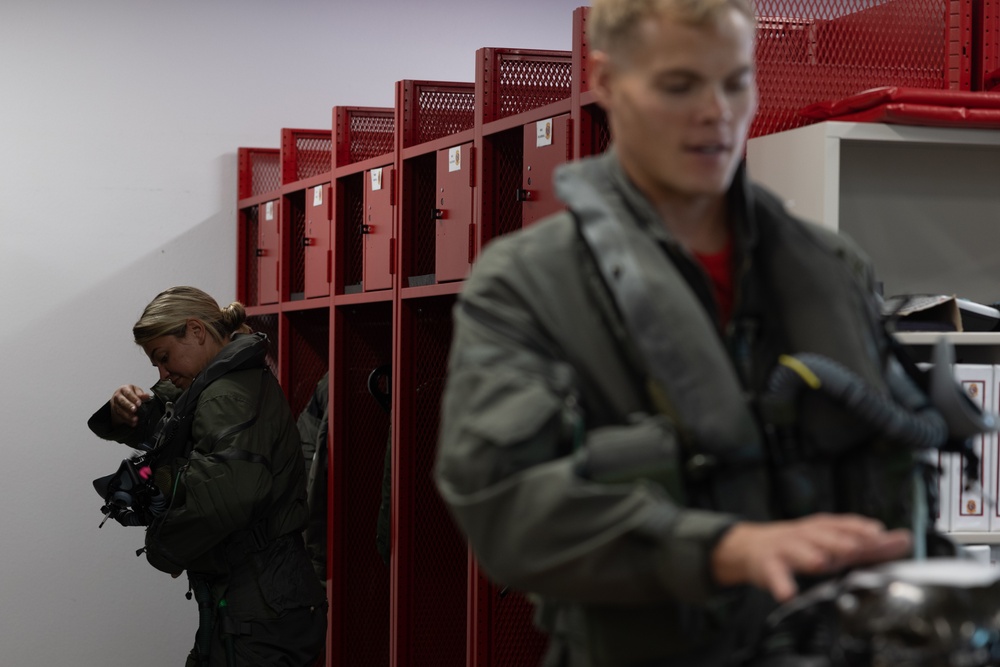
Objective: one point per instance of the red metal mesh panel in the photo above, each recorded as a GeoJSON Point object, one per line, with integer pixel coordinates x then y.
{"type": "Point", "coordinates": [296, 203]}
{"type": "Point", "coordinates": [528, 84]}
{"type": "Point", "coordinates": [305, 153]}
{"type": "Point", "coordinates": [814, 50]}
{"type": "Point", "coordinates": [419, 224]}
{"type": "Point", "coordinates": [249, 234]}
{"type": "Point", "coordinates": [352, 209]}
{"type": "Point", "coordinates": [365, 342]}
{"type": "Point", "coordinates": [364, 132]}
{"type": "Point", "coordinates": [518, 80]}
{"type": "Point", "coordinates": [440, 556]}
{"type": "Point", "coordinates": [433, 109]}
{"type": "Point", "coordinates": [259, 171]}
{"type": "Point", "coordinates": [507, 165]}
{"type": "Point", "coordinates": [308, 354]}
{"type": "Point", "coordinates": [268, 324]}
{"type": "Point", "coordinates": [314, 156]}
{"type": "Point", "coordinates": [265, 173]}
{"type": "Point", "coordinates": [598, 132]}
{"type": "Point", "coordinates": [514, 641]}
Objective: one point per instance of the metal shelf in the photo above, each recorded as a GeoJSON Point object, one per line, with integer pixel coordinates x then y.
{"type": "Point", "coordinates": [975, 538]}
{"type": "Point", "coordinates": [955, 337]}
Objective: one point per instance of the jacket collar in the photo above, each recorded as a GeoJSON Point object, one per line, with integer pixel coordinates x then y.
{"type": "Point", "coordinates": [244, 351]}
{"type": "Point", "coordinates": [740, 198]}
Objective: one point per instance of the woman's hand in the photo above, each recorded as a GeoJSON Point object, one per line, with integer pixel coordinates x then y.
{"type": "Point", "coordinates": [768, 555]}
{"type": "Point", "coordinates": [125, 404]}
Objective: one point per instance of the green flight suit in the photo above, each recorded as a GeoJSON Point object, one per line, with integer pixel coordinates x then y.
{"type": "Point", "coordinates": [237, 507]}
{"type": "Point", "coordinates": [542, 371]}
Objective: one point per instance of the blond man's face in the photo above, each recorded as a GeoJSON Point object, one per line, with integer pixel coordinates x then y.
{"type": "Point", "coordinates": [680, 102]}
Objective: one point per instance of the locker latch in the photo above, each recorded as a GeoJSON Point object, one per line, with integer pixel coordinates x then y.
{"type": "Point", "coordinates": [365, 229]}
{"type": "Point", "coordinates": [261, 252]}
{"type": "Point", "coordinates": [523, 195]}
{"type": "Point", "coordinates": [439, 214]}
{"type": "Point", "coordinates": [306, 241]}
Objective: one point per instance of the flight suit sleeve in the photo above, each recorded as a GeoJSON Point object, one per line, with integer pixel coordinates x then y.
{"type": "Point", "coordinates": [101, 424]}
{"type": "Point", "coordinates": [225, 483]}
{"type": "Point", "coordinates": [509, 467]}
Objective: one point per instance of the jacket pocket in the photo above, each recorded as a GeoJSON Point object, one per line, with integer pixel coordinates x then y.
{"type": "Point", "coordinates": [286, 577]}
{"type": "Point", "coordinates": [513, 408]}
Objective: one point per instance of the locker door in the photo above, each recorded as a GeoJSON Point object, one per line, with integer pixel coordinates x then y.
{"type": "Point", "coordinates": [454, 232]}
{"type": "Point", "coordinates": [546, 146]}
{"type": "Point", "coordinates": [377, 229]}
{"type": "Point", "coordinates": [269, 253]}
{"type": "Point", "coordinates": [318, 255]}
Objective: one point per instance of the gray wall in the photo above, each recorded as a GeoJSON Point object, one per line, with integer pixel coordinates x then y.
{"type": "Point", "coordinates": [119, 123]}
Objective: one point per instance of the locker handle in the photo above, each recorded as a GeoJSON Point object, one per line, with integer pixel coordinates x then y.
{"type": "Point", "coordinates": [523, 195]}
{"type": "Point", "coordinates": [365, 229]}
{"type": "Point", "coordinates": [306, 241]}
{"type": "Point", "coordinates": [261, 252]}
{"type": "Point", "coordinates": [472, 242]}
{"type": "Point", "coordinates": [439, 214]}
{"type": "Point", "coordinates": [472, 166]}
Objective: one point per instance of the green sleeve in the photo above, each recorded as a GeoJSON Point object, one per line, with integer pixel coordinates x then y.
{"type": "Point", "coordinates": [511, 438]}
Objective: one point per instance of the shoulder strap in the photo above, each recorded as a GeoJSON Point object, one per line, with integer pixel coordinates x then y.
{"type": "Point", "coordinates": [687, 367]}
{"type": "Point", "coordinates": [175, 426]}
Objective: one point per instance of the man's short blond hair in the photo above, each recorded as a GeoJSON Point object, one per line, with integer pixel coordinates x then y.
{"type": "Point", "coordinates": [611, 23]}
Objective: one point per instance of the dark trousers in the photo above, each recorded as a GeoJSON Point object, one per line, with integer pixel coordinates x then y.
{"type": "Point", "coordinates": [295, 639]}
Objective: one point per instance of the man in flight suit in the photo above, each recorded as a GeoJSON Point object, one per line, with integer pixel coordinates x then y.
{"type": "Point", "coordinates": [600, 444]}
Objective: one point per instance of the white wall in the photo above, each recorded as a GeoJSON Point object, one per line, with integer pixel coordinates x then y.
{"type": "Point", "coordinates": [119, 124]}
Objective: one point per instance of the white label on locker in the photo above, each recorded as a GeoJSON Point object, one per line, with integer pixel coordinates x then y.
{"type": "Point", "coordinates": [376, 179]}
{"type": "Point", "coordinates": [455, 159]}
{"type": "Point", "coordinates": [318, 195]}
{"type": "Point", "coordinates": [269, 210]}
{"type": "Point", "coordinates": [543, 132]}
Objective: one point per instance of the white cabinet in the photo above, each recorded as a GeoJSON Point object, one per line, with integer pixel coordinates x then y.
{"type": "Point", "coordinates": [923, 202]}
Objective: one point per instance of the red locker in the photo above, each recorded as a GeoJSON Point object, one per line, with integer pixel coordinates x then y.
{"type": "Point", "coordinates": [454, 233]}
{"type": "Point", "coordinates": [318, 253]}
{"type": "Point", "coordinates": [547, 144]}
{"type": "Point", "coordinates": [377, 229]}
{"type": "Point", "coordinates": [269, 253]}
{"type": "Point", "coordinates": [986, 40]}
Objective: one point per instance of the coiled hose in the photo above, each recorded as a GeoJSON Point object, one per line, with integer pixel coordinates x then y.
{"type": "Point", "coordinates": [923, 430]}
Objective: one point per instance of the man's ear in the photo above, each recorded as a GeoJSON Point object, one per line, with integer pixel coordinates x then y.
{"type": "Point", "coordinates": [601, 74]}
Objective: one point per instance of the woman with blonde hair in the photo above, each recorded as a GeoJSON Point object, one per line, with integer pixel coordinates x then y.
{"type": "Point", "coordinates": [220, 449]}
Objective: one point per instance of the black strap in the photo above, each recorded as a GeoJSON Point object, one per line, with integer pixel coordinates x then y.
{"type": "Point", "coordinates": [175, 427]}
{"type": "Point", "coordinates": [642, 324]}
{"type": "Point", "coordinates": [206, 618]}
{"type": "Point", "coordinates": [233, 626]}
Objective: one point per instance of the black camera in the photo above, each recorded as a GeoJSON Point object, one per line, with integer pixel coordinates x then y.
{"type": "Point", "coordinates": [130, 497]}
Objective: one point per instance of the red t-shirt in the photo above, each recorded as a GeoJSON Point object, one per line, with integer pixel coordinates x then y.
{"type": "Point", "coordinates": [719, 267]}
